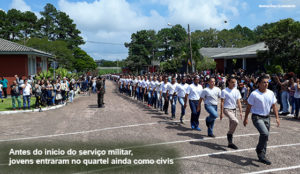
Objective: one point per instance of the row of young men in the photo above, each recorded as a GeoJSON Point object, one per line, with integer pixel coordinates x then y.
{"type": "Point", "coordinates": [157, 92]}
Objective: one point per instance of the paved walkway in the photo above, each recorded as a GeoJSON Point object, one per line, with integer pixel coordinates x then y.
{"type": "Point", "coordinates": [126, 120]}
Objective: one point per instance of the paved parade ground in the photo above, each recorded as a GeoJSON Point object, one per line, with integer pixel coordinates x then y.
{"type": "Point", "coordinates": [126, 120]}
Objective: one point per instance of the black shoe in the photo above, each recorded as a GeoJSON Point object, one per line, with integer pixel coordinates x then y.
{"type": "Point", "coordinates": [265, 161]}
{"type": "Point", "coordinates": [232, 146]}
{"type": "Point", "coordinates": [212, 135]}
{"type": "Point", "coordinates": [181, 121]}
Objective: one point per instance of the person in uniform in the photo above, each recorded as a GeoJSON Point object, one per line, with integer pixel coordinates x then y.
{"type": "Point", "coordinates": [100, 92]}
{"type": "Point", "coordinates": [260, 102]}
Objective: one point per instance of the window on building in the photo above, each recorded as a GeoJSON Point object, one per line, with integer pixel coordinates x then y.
{"type": "Point", "coordinates": [31, 65]}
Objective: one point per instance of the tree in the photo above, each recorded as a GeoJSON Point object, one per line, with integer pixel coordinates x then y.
{"type": "Point", "coordinates": [4, 30]}
{"type": "Point", "coordinates": [57, 25]}
{"type": "Point", "coordinates": [14, 18]}
{"type": "Point", "coordinates": [63, 55]}
{"type": "Point", "coordinates": [283, 42]}
{"type": "Point", "coordinates": [28, 24]}
{"type": "Point", "coordinates": [206, 63]}
{"type": "Point", "coordinates": [142, 49]}
{"type": "Point", "coordinates": [170, 42]}
{"type": "Point", "coordinates": [83, 62]}
{"type": "Point", "coordinates": [47, 22]}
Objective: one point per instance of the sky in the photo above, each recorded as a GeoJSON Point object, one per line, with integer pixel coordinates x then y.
{"type": "Point", "coordinates": [106, 24]}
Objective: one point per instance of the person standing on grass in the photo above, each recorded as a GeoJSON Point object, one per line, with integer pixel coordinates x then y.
{"type": "Point", "coordinates": [15, 95]}
{"type": "Point", "coordinates": [230, 98]}
{"type": "Point", "coordinates": [193, 93]}
{"type": "Point", "coordinates": [210, 95]}
{"type": "Point", "coordinates": [5, 84]}
{"type": "Point", "coordinates": [49, 88]}
{"type": "Point", "coordinates": [260, 102]}
{"type": "Point", "coordinates": [27, 91]}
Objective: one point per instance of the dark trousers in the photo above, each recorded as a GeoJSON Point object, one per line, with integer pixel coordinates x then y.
{"type": "Point", "coordinates": [166, 103]}
{"type": "Point", "coordinates": [194, 114]}
{"type": "Point", "coordinates": [5, 92]}
{"type": "Point", "coordinates": [262, 124]}
{"type": "Point", "coordinates": [297, 104]}
{"type": "Point", "coordinates": [100, 99]}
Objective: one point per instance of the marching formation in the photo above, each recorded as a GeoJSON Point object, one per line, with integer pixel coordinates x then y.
{"type": "Point", "coordinates": [160, 92]}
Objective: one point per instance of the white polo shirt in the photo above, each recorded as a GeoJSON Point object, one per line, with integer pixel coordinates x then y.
{"type": "Point", "coordinates": [147, 83]}
{"type": "Point", "coordinates": [194, 91]}
{"type": "Point", "coordinates": [261, 102]}
{"type": "Point", "coordinates": [171, 88]}
{"type": "Point", "coordinates": [157, 83]}
{"type": "Point", "coordinates": [152, 85]}
{"type": "Point", "coordinates": [163, 87]}
{"type": "Point", "coordinates": [121, 81]}
{"type": "Point", "coordinates": [211, 96]}
{"type": "Point", "coordinates": [181, 89]}
{"type": "Point", "coordinates": [139, 83]}
{"type": "Point", "coordinates": [134, 82]}
{"type": "Point", "coordinates": [230, 97]}
{"type": "Point", "coordinates": [143, 84]}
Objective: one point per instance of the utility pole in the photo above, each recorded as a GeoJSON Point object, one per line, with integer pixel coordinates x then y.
{"type": "Point", "coordinates": [190, 44]}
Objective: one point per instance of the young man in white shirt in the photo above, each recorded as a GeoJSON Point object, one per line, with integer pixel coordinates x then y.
{"type": "Point", "coordinates": [260, 102]}
{"type": "Point", "coordinates": [144, 89]}
{"type": "Point", "coordinates": [163, 94]}
{"type": "Point", "coordinates": [210, 95]}
{"type": "Point", "coordinates": [180, 91]}
{"type": "Point", "coordinates": [173, 98]}
{"type": "Point", "coordinates": [158, 92]}
{"type": "Point", "coordinates": [27, 91]}
{"type": "Point", "coordinates": [193, 93]}
{"type": "Point", "coordinates": [147, 82]}
{"type": "Point", "coordinates": [230, 98]}
{"type": "Point", "coordinates": [121, 84]}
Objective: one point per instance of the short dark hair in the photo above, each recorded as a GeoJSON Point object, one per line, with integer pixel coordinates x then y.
{"type": "Point", "coordinates": [261, 78]}
{"type": "Point", "coordinates": [229, 79]}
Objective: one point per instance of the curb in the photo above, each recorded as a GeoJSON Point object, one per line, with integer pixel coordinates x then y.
{"type": "Point", "coordinates": [35, 110]}
{"type": "Point", "coordinates": [31, 110]}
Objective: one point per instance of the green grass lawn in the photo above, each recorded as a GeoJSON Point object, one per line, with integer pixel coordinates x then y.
{"type": "Point", "coordinates": [7, 104]}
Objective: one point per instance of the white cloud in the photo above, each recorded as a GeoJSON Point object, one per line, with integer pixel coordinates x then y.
{"type": "Point", "coordinates": [20, 5]}
{"type": "Point", "coordinates": [115, 20]}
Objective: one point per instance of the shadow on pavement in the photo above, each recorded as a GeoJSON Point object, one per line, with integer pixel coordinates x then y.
{"type": "Point", "coordinates": [209, 145]}
{"type": "Point", "coordinates": [240, 160]}
{"type": "Point", "coordinates": [177, 126]}
{"type": "Point", "coordinates": [191, 135]}
{"type": "Point", "coordinates": [92, 106]}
